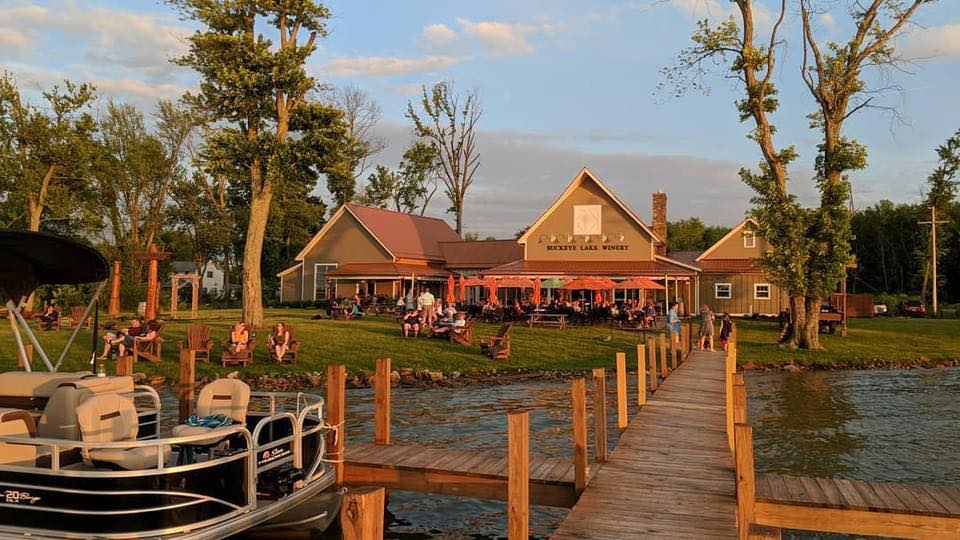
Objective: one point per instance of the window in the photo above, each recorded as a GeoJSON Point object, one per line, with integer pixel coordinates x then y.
{"type": "Point", "coordinates": [749, 239]}
{"type": "Point", "coordinates": [761, 291]}
{"type": "Point", "coordinates": [209, 273]}
{"type": "Point", "coordinates": [320, 280]}
{"type": "Point", "coordinates": [722, 291]}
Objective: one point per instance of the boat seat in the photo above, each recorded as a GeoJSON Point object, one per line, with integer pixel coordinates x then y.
{"type": "Point", "coordinates": [59, 420]}
{"type": "Point", "coordinates": [111, 418]}
{"type": "Point", "coordinates": [17, 423]}
{"type": "Point", "coordinates": [229, 397]}
{"type": "Point", "coordinates": [31, 389]}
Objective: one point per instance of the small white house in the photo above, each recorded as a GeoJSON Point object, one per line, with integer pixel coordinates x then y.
{"type": "Point", "coordinates": [211, 282]}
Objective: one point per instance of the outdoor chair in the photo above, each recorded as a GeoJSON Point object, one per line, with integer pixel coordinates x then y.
{"type": "Point", "coordinates": [497, 347]}
{"type": "Point", "coordinates": [198, 340]}
{"type": "Point", "coordinates": [76, 317]}
{"type": "Point", "coordinates": [463, 335]}
{"type": "Point", "coordinates": [151, 350]}
{"type": "Point", "coordinates": [237, 358]}
{"type": "Point", "coordinates": [291, 354]}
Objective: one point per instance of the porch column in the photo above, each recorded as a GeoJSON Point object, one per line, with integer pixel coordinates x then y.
{"type": "Point", "coordinates": [666, 294]}
{"type": "Point", "coordinates": [696, 292]}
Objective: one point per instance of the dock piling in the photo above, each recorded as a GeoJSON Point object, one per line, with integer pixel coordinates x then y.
{"type": "Point", "coordinates": [641, 375]}
{"type": "Point", "coordinates": [361, 514]}
{"type": "Point", "coordinates": [600, 414]}
{"type": "Point", "coordinates": [746, 487]}
{"type": "Point", "coordinates": [622, 419]}
{"type": "Point", "coordinates": [579, 390]}
{"type": "Point", "coordinates": [185, 390]}
{"type": "Point", "coordinates": [664, 370]}
{"type": "Point", "coordinates": [336, 394]}
{"type": "Point", "coordinates": [652, 352]}
{"type": "Point", "coordinates": [518, 476]}
{"type": "Point", "coordinates": [381, 388]}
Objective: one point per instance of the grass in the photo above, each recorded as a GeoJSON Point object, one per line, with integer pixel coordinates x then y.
{"type": "Point", "coordinates": [882, 341]}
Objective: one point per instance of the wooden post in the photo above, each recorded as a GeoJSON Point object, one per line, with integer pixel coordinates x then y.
{"type": "Point", "coordinates": [125, 365]}
{"type": "Point", "coordinates": [518, 476]}
{"type": "Point", "coordinates": [746, 489]}
{"type": "Point", "coordinates": [674, 352]}
{"type": "Point", "coordinates": [195, 297]}
{"type": "Point", "coordinates": [664, 370]}
{"type": "Point", "coordinates": [381, 388]}
{"type": "Point", "coordinates": [174, 295]}
{"type": "Point", "coordinates": [652, 352]}
{"type": "Point", "coordinates": [622, 419]}
{"type": "Point", "coordinates": [600, 414]}
{"type": "Point", "coordinates": [114, 307]}
{"type": "Point", "coordinates": [361, 514]}
{"type": "Point", "coordinates": [641, 375]}
{"type": "Point", "coordinates": [579, 389]}
{"type": "Point", "coordinates": [739, 399]}
{"type": "Point", "coordinates": [152, 256]}
{"type": "Point", "coordinates": [188, 374]}
{"type": "Point", "coordinates": [336, 394]}
{"type": "Point", "coordinates": [729, 369]}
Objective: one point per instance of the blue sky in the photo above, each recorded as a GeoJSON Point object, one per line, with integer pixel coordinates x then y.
{"type": "Point", "coordinates": [563, 84]}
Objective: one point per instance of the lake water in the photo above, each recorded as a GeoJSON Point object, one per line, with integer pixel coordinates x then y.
{"type": "Point", "coordinates": [896, 425]}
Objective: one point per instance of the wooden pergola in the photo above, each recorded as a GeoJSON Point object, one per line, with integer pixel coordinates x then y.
{"type": "Point", "coordinates": [175, 293]}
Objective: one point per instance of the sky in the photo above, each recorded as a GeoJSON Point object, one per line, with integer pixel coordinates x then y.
{"type": "Point", "coordinates": [563, 84]}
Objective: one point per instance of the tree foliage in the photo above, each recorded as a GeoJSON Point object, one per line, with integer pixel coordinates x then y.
{"type": "Point", "coordinates": [410, 187]}
{"type": "Point", "coordinates": [691, 234]}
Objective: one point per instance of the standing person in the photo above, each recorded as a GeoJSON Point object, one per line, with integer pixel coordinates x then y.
{"type": "Point", "coordinates": [706, 328]}
{"type": "Point", "coordinates": [673, 322]}
{"type": "Point", "coordinates": [279, 341]}
{"type": "Point", "coordinates": [427, 302]}
{"type": "Point", "coordinates": [726, 328]}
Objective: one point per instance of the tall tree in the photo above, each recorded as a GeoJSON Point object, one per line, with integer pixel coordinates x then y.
{"type": "Point", "coordinates": [45, 155]}
{"type": "Point", "coordinates": [692, 234]}
{"type": "Point", "coordinates": [410, 187]}
{"type": "Point", "coordinates": [257, 88]}
{"type": "Point", "coordinates": [448, 123]}
{"type": "Point", "coordinates": [942, 182]}
{"type": "Point", "coordinates": [811, 245]}
{"type": "Point", "coordinates": [361, 114]}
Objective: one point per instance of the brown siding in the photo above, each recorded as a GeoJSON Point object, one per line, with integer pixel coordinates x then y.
{"type": "Point", "coordinates": [733, 248]}
{"type": "Point", "coordinates": [742, 290]}
{"type": "Point", "coordinates": [346, 288]}
{"type": "Point", "coordinates": [614, 223]}
{"type": "Point", "coordinates": [290, 286]}
{"type": "Point", "coordinates": [345, 242]}
{"type": "Point", "coordinates": [385, 288]}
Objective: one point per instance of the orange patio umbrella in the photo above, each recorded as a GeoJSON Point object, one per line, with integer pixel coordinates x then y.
{"type": "Point", "coordinates": [515, 283]}
{"type": "Point", "coordinates": [639, 283]}
{"type": "Point", "coordinates": [451, 298]}
{"type": "Point", "coordinates": [589, 283]}
{"type": "Point", "coordinates": [462, 289]}
{"type": "Point", "coordinates": [475, 282]}
{"type": "Point", "coordinates": [536, 291]}
{"type": "Point", "coordinates": [492, 290]}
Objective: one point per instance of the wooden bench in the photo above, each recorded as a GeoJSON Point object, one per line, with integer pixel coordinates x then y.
{"type": "Point", "coordinates": [557, 320]}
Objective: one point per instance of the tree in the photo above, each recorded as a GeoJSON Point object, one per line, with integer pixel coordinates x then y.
{"type": "Point", "coordinates": [941, 184]}
{"type": "Point", "coordinates": [45, 156]}
{"type": "Point", "coordinates": [257, 89]}
{"type": "Point", "coordinates": [380, 189]}
{"type": "Point", "coordinates": [448, 124]}
{"type": "Point", "coordinates": [691, 234]}
{"type": "Point", "coordinates": [409, 188]}
{"type": "Point", "coordinates": [811, 245]}
{"type": "Point", "coordinates": [361, 114]}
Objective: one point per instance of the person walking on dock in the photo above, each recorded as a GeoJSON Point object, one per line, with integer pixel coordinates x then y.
{"type": "Point", "coordinates": [673, 321]}
{"type": "Point", "coordinates": [706, 328]}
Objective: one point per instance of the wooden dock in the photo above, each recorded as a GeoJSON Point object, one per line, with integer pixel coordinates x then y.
{"type": "Point", "coordinates": [671, 474]}
{"type": "Point", "coordinates": [471, 473]}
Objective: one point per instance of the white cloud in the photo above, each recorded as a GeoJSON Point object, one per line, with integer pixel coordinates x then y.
{"type": "Point", "coordinates": [438, 35]}
{"type": "Point", "coordinates": [933, 42]}
{"type": "Point", "coordinates": [827, 20]}
{"type": "Point", "coordinates": [386, 65]}
{"type": "Point", "coordinates": [501, 38]}
{"type": "Point", "coordinates": [406, 89]}
{"type": "Point", "coordinates": [136, 87]}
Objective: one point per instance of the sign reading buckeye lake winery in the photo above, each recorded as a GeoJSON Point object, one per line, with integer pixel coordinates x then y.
{"type": "Point", "coordinates": [588, 247]}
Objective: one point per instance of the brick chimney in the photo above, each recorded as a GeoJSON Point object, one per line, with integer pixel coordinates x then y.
{"type": "Point", "coordinates": [660, 219]}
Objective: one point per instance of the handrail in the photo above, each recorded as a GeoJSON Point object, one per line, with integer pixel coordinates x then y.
{"type": "Point", "coordinates": [294, 437]}
{"type": "Point", "coordinates": [308, 476]}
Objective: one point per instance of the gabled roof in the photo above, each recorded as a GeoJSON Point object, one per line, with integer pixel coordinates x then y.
{"type": "Point", "coordinates": [688, 257]}
{"type": "Point", "coordinates": [401, 235]}
{"type": "Point", "coordinates": [583, 175]}
{"type": "Point", "coordinates": [480, 254]}
{"type": "Point", "coordinates": [727, 237]}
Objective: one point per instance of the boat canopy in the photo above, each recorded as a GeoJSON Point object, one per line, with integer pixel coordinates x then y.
{"type": "Point", "coordinates": [29, 259]}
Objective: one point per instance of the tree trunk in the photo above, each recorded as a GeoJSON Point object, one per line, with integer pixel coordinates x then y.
{"type": "Point", "coordinates": [256, 229]}
{"type": "Point", "coordinates": [810, 336]}
{"type": "Point", "coordinates": [798, 315]}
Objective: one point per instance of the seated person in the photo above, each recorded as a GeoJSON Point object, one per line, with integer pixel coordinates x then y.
{"type": "Point", "coordinates": [649, 314]}
{"type": "Point", "coordinates": [355, 311]}
{"type": "Point", "coordinates": [122, 341]}
{"type": "Point", "coordinates": [49, 316]}
{"type": "Point", "coordinates": [458, 322]}
{"type": "Point", "coordinates": [279, 340]}
{"type": "Point", "coordinates": [517, 308]}
{"type": "Point", "coordinates": [411, 323]}
{"type": "Point", "coordinates": [239, 337]}
{"type": "Point", "coordinates": [449, 312]}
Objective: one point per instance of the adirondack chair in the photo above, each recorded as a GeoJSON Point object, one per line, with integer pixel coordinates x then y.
{"type": "Point", "coordinates": [463, 335]}
{"type": "Point", "coordinates": [237, 358]}
{"type": "Point", "coordinates": [76, 317]}
{"type": "Point", "coordinates": [497, 347]}
{"type": "Point", "coordinates": [291, 354]}
{"type": "Point", "coordinates": [198, 341]}
{"type": "Point", "coordinates": [151, 350]}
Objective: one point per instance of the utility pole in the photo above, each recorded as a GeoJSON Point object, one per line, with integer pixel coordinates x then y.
{"type": "Point", "coordinates": [933, 251]}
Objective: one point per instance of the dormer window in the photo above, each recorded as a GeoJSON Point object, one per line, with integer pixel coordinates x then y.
{"type": "Point", "coordinates": [749, 239]}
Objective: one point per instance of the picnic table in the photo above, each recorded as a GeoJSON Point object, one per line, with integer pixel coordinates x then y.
{"type": "Point", "coordinates": [558, 320]}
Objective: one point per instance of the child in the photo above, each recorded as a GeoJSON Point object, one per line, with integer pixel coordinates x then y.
{"type": "Point", "coordinates": [726, 328]}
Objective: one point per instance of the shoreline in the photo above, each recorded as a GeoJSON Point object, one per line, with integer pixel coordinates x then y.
{"type": "Point", "coordinates": [423, 378]}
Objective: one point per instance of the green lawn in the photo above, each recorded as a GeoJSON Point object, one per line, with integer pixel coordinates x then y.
{"type": "Point", "coordinates": [358, 343]}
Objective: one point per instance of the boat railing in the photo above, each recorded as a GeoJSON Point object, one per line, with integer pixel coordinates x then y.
{"type": "Point", "coordinates": [149, 417]}
{"type": "Point", "coordinates": [274, 400]}
{"type": "Point", "coordinates": [317, 409]}
{"type": "Point", "coordinates": [276, 451]}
